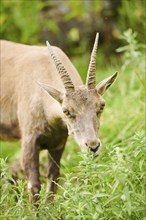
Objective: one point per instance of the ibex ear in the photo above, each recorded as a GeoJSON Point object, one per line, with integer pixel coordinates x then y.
{"type": "Point", "coordinates": [56, 94]}
{"type": "Point", "coordinates": [106, 83]}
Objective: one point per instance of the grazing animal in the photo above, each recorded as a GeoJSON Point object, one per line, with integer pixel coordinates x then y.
{"type": "Point", "coordinates": [43, 100]}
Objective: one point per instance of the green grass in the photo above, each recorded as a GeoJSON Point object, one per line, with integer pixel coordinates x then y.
{"type": "Point", "coordinates": [9, 150]}
{"type": "Point", "coordinates": [109, 187]}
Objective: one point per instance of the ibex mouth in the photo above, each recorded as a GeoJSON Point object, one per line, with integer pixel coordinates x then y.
{"type": "Point", "coordinates": [94, 150]}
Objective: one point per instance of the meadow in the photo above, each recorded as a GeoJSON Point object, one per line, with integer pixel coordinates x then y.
{"type": "Point", "coordinates": [110, 186]}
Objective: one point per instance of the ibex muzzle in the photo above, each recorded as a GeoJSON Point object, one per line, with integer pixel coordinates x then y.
{"type": "Point", "coordinates": [82, 105]}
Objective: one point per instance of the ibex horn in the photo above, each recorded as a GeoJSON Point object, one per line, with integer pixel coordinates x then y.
{"type": "Point", "coordinates": [91, 76]}
{"type": "Point", "coordinates": [69, 87]}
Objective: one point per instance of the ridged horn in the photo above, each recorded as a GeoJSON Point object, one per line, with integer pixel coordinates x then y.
{"type": "Point", "coordinates": [68, 84]}
{"type": "Point", "coordinates": [91, 75]}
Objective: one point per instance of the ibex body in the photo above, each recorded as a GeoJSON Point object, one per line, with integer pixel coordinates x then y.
{"type": "Point", "coordinates": [42, 100]}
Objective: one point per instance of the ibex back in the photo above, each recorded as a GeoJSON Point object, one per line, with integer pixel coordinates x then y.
{"type": "Point", "coordinates": [43, 100]}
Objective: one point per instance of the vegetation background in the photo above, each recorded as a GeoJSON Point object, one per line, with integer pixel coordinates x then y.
{"type": "Point", "coordinates": [111, 186]}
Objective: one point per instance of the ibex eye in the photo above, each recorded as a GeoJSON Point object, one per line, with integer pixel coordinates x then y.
{"type": "Point", "coordinates": [69, 114]}
{"type": "Point", "coordinates": [102, 106]}
{"type": "Point", "coordinates": [66, 112]}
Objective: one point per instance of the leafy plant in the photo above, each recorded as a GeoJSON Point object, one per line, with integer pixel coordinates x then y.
{"type": "Point", "coordinates": [111, 186]}
{"type": "Point", "coordinates": [133, 54]}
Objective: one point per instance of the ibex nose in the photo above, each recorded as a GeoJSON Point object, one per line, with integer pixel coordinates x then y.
{"type": "Point", "coordinates": [95, 149]}
{"type": "Point", "coordinates": [93, 145]}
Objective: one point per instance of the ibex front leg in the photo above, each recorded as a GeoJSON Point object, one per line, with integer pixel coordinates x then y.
{"type": "Point", "coordinates": [30, 162]}
{"type": "Point", "coordinates": [54, 171]}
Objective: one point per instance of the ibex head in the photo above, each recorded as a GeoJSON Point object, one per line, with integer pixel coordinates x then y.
{"type": "Point", "coordinates": [82, 105]}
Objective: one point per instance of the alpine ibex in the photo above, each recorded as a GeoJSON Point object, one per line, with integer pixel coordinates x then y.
{"type": "Point", "coordinates": [43, 100]}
